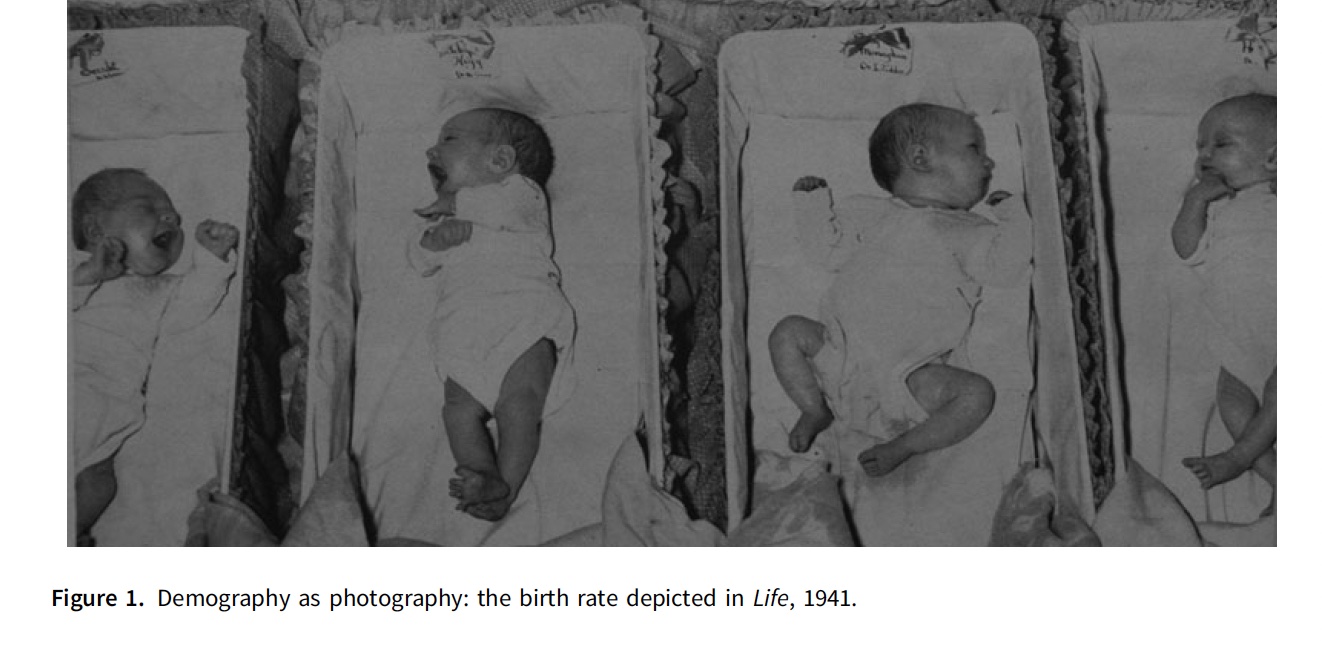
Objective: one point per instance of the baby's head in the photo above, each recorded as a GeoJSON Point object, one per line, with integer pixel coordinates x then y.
{"type": "Point", "coordinates": [484, 146]}
{"type": "Point", "coordinates": [1237, 140]}
{"type": "Point", "coordinates": [929, 155]}
{"type": "Point", "coordinates": [126, 204]}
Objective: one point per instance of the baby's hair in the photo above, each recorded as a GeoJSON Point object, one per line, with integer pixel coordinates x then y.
{"type": "Point", "coordinates": [1261, 107]}
{"type": "Point", "coordinates": [901, 129]}
{"type": "Point", "coordinates": [532, 147]}
{"type": "Point", "coordinates": [99, 193]}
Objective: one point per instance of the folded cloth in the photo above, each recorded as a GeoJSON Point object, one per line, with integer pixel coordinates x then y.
{"type": "Point", "coordinates": [1142, 512]}
{"type": "Point", "coordinates": [332, 516]}
{"type": "Point", "coordinates": [635, 512]}
{"type": "Point", "coordinates": [797, 505]}
{"type": "Point", "coordinates": [1031, 514]}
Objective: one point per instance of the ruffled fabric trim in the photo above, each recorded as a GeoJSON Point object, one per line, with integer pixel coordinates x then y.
{"type": "Point", "coordinates": [1081, 232]}
{"type": "Point", "coordinates": [1122, 11]}
{"type": "Point", "coordinates": [719, 20]}
{"type": "Point", "coordinates": [198, 13]}
{"type": "Point", "coordinates": [843, 4]}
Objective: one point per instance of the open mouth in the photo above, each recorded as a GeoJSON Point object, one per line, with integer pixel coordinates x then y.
{"type": "Point", "coordinates": [163, 240]}
{"type": "Point", "coordinates": [438, 176]}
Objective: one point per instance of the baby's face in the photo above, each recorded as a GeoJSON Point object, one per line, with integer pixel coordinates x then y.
{"type": "Point", "coordinates": [960, 163]}
{"type": "Point", "coordinates": [461, 157]}
{"type": "Point", "coordinates": [1236, 147]}
{"type": "Point", "coordinates": [148, 225]}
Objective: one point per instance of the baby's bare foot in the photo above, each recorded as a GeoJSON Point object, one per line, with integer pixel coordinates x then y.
{"type": "Point", "coordinates": [491, 511]}
{"type": "Point", "coordinates": [879, 460]}
{"type": "Point", "coordinates": [810, 424]}
{"type": "Point", "coordinates": [1215, 469]}
{"type": "Point", "coordinates": [473, 487]}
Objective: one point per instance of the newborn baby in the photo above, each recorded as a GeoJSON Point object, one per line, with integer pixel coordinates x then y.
{"type": "Point", "coordinates": [123, 300]}
{"type": "Point", "coordinates": [1226, 230]}
{"type": "Point", "coordinates": [503, 333]}
{"type": "Point", "coordinates": [889, 350]}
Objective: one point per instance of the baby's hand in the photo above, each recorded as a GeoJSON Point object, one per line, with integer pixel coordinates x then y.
{"type": "Point", "coordinates": [218, 238]}
{"type": "Point", "coordinates": [1207, 188]}
{"type": "Point", "coordinates": [809, 183]}
{"type": "Point", "coordinates": [447, 234]}
{"type": "Point", "coordinates": [107, 263]}
{"type": "Point", "coordinates": [443, 206]}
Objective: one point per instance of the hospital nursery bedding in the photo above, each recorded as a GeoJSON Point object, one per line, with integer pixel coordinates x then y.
{"type": "Point", "coordinates": [204, 109]}
{"type": "Point", "coordinates": [803, 102]}
{"type": "Point", "coordinates": [1137, 124]}
{"type": "Point", "coordinates": [372, 106]}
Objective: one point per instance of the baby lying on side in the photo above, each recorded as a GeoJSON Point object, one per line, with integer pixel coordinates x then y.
{"type": "Point", "coordinates": [911, 272]}
{"type": "Point", "coordinates": [123, 301]}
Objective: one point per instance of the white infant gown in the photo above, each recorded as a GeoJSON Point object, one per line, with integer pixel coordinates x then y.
{"type": "Point", "coordinates": [499, 291]}
{"type": "Point", "coordinates": [1236, 263]}
{"type": "Point", "coordinates": [115, 328]}
{"type": "Point", "coordinates": [908, 285]}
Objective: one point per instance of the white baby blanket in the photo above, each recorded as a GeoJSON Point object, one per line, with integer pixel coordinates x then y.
{"type": "Point", "coordinates": [803, 103]}
{"type": "Point", "coordinates": [381, 104]}
{"type": "Point", "coordinates": [1141, 149]}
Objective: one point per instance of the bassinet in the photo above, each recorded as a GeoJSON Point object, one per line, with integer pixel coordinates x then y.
{"type": "Point", "coordinates": [806, 92]}
{"type": "Point", "coordinates": [1142, 74]}
{"type": "Point", "coordinates": [371, 387]}
{"type": "Point", "coordinates": [199, 100]}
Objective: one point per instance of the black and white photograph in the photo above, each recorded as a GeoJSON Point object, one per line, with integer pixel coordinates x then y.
{"type": "Point", "coordinates": [684, 273]}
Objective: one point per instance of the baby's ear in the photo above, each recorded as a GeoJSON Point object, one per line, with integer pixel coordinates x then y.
{"type": "Point", "coordinates": [502, 159]}
{"type": "Point", "coordinates": [1271, 160]}
{"type": "Point", "coordinates": [918, 157]}
{"type": "Point", "coordinates": [92, 232]}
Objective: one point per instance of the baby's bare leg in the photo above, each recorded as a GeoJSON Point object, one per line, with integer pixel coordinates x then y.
{"type": "Point", "coordinates": [1253, 428]}
{"type": "Point", "coordinates": [957, 402]}
{"type": "Point", "coordinates": [478, 477]}
{"type": "Point", "coordinates": [793, 343]}
{"type": "Point", "coordinates": [94, 488]}
{"type": "Point", "coordinates": [519, 419]}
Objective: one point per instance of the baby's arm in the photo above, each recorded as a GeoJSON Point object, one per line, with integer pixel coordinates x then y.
{"type": "Point", "coordinates": [1191, 222]}
{"type": "Point", "coordinates": [1001, 259]}
{"type": "Point", "coordinates": [429, 243]}
{"type": "Point", "coordinates": [105, 263]}
{"type": "Point", "coordinates": [202, 290]}
{"type": "Point", "coordinates": [516, 205]}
